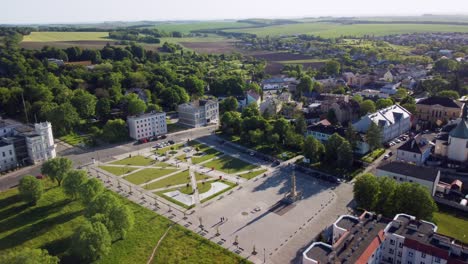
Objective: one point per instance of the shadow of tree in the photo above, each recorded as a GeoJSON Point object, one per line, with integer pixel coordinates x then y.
{"type": "Point", "coordinates": [24, 234]}
{"type": "Point", "coordinates": [9, 201]}
{"type": "Point", "coordinates": [13, 211]}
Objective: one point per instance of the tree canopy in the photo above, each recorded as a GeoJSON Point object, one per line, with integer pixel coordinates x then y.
{"type": "Point", "coordinates": [31, 189]}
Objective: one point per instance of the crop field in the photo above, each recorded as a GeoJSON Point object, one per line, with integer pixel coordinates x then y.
{"type": "Point", "coordinates": [186, 28]}
{"type": "Point", "coordinates": [65, 36]}
{"type": "Point", "coordinates": [329, 30]}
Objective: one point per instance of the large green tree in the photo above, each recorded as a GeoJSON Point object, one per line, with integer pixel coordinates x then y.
{"type": "Point", "coordinates": [331, 147]}
{"type": "Point", "coordinates": [367, 106]}
{"type": "Point", "coordinates": [313, 149]}
{"type": "Point", "coordinates": [374, 136]}
{"type": "Point", "coordinates": [345, 155]}
{"type": "Point", "coordinates": [90, 190]}
{"type": "Point", "coordinates": [28, 256]}
{"type": "Point", "coordinates": [383, 103]}
{"type": "Point", "coordinates": [115, 130]}
{"type": "Point", "coordinates": [386, 198]}
{"type": "Point", "coordinates": [63, 118]}
{"type": "Point", "coordinates": [366, 191]}
{"type": "Point", "coordinates": [73, 181]}
{"type": "Point", "coordinates": [84, 102]}
{"type": "Point", "coordinates": [91, 241]}
{"type": "Point", "coordinates": [57, 168]}
{"type": "Point", "coordinates": [136, 106]}
{"type": "Point", "coordinates": [228, 104]}
{"type": "Point", "coordinates": [414, 199]}
{"type": "Point", "coordinates": [194, 86]}
{"type": "Point", "coordinates": [30, 189]}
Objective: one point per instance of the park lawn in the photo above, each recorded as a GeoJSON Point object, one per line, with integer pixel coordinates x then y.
{"type": "Point", "coordinates": [202, 188]}
{"type": "Point", "coordinates": [162, 151]}
{"type": "Point", "coordinates": [135, 161]}
{"type": "Point", "coordinates": [208, 152]}
{"type": "Point", "coordinates": [65, 36]}
{"type": "Point", "coordinates": [229, 164]}
{"type": "Point", "coordinates": [117, 170]}
{"type": "Point", "coordinates": [251, 174]}
{"type": "Point", "coordinates": [452, 225]}
{"type": "Point", "coordinates": [146, 175]}
{"type": "Point", "coordinates": [74, 139]}
{"type": "Point", "coordinates": [176, 179]}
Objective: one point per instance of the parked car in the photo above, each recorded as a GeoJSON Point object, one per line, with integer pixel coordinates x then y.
{"type": "Point", "coordinates": [39, 176]}
{"type": "Point", "coordinates": [390, 154]}
{"type": "Point", "coordinates": [386, 157]}
{"type": "Point", "coordinates": [397, 140]}
{"type": "Point", "coordinates": [171, 142]}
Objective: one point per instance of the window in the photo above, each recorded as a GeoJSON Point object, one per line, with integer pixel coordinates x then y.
{"type": "Point", "coordinates": [437, 260]}
{"type": "Point", "coordinates": [392, 242]}
{"type": "Point", "coordinates": [11, 152]}
{"type": "Point", "coordinates": [399, 253]}
{"type": "Point", "coordinates": [390, 251]}
{"type": "Point", "coordinates": [410, 254]}
{"type": "Point", "coordinates": [423, 255]}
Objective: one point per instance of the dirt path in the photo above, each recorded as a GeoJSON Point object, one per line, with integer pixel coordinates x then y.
{"type": "Point", "coordinates": [157, 245]}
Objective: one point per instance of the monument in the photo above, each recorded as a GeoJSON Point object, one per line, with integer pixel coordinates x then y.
{"type": "Point", "coordinates": [294, 195]}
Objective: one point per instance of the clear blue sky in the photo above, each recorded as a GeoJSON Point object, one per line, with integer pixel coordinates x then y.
{"type": "Point", "coordinates": [47, 11]}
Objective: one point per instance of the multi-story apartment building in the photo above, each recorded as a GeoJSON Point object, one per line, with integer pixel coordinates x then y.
{"type": "Point", "coordinates": [393, 121]}
{"type": "Point", "coordinates": [198, 113]}
{"type": "Point", "coordinates": [372, 239]}
{"type": "Point", "coordinates": [25, 144]}
{"type": "Point", "coordinates": [437, 111]}
{"type": "Point", "coordinates": [147, 125]}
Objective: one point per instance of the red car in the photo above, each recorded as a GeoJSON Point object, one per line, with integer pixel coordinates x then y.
{"type": "Point", "coordinates": [39, 176]}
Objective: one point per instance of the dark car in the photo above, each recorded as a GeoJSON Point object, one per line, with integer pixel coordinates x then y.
{"type": "Point", "coordinates": [39, 176]}
{"type": "Point", "coordinates": [171, 142]}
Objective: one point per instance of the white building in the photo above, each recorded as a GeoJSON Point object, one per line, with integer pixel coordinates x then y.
{"type": "Point", "coordinates": [7, 156]}
{"type": "Point", "coordinates": [393, 121]}
{"type": "Point", "coordinates": [147, 125]}
{"type": "Point", "coordinates": [198, 113]}
{"type": "Point", "coordinates": [416, 150]}
{"type": "Point", "coordinates": [454, 145]}
{"type": "Point", "coordinates": [40, 143]}
{"type": "Point", "coordinates": [405, 172]}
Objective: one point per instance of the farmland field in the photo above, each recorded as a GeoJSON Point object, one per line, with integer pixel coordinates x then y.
{"type": "Point", "coordinates": [65, 36]}
{"type": "Point", "coordinates": [186, 28]}
{"type": "Point", "coordinates": [336, 30]}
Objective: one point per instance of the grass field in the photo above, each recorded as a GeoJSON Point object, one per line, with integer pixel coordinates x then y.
{"type": "Point", "coordinates": [135, 161]}
{"type": "Point", "coordinates": [208, 152]}
{"type": "Point", "coordinates": [74, 139]}
{"type": "Point", "coordinates": [452, 225]}
{"type": "Point", "coordinates": [303, 61]}
{"type": "Point", "coordinates": [186, 28]}
{"type": "Point", "coordinates": [52, 221]}
{"type": "Point", "coordinates": [117, 170]}
{"type": "Point", "coordinates": [146, 175]}
{"type": "Point", "coordinates": [65, 36]}
{"type": "Point", "coordinates": [335, 30]}
{"type": "Point", "coordinates": [229, 164]}
{"type": "Point", "coordinates": [176, 179]}
{"type": "Point", "coordinates": [162, 151]}
{"type": "Point", "coordinates": [202, 188]}
{"type": "Point", "coordinates": [252, 174]}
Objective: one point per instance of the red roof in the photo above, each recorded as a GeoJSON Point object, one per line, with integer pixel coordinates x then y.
{"type": "Point", "coordinates": [428, 249]}
{"type": "Point", "coordinates": [371, 248]}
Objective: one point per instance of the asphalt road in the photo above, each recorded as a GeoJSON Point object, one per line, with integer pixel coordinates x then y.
{"type": "Point", "coordinates": [82, 157]}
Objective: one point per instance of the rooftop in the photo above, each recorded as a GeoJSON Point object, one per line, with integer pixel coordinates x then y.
{"type": "Point", "coordinates": [461, 130]}
{"type": "Point", "coordinates": [423, 173]}
{"type": "Point", "coordinates": [443, 101]}
{"type": "Point", "coordinates": [347, 222]}
{"type": "Point", "coordinates": [416, 145]}
{"type": "Point", "coordinates": [326, 129]}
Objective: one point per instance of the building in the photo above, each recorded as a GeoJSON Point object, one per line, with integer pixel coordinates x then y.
{"type": "Point", "coordinates": [393, 121]}
{"type": "Point", "coordinates": [350, 78]}
{"type": "Point", "coordinates": [346, 111]}
{"type": "Point", "coordinates": [271, 106]}
{"type": "Point", "coordinates": [323, 130]}
{"type": "Point", "coordinates": [147, 125]}
{"type": "Point", "coordinates": [369, 93]}
{"type": "Point", "coordinates": [437, 111]}
{"type": "Point", "coordinates": [416, 150]}
{"type": "Point", "coordinates": [25, 144]}
{"type": "Point", "coordinates": [372, 239]}
{"type": "Point", "coordinates": [252, 97]}
{"type": "Point", "coordinates": [406, 172]}
{"type": "Point", "coordinates": [454, 144]}
{"type": "Point", "coordinates": [198, 113]}
{"type": "Point", "coordinates": [390, 88]}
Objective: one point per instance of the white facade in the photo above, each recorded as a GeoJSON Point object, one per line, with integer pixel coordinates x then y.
{"type": "Point", "coordinates": [40, 144]}
{"type": "Point", "coordinates": [430, 184]}
{"type": "Point", "coordinates": [7, 157]}
{"type": "Point", "coordinates": [147, 125]}
{"type": "Point", "coordinates": [199, 113]}
{"type": "Point", "coordinates": [394, 121]}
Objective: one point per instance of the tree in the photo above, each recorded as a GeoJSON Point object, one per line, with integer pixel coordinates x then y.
{"type": "Point", "coordinates": [304, 86]}
{"type": "Point", "coordinates": [102, 204]}
{"type": "Point", "coordinates": [256, 136]}
{"type": "Point", "coordinates": [29, 256]}
{"type": "Point", "coordinates": [115, 130]}
{"type": "Point", "coordinates": [331, 116]}
{"type": "Point", "coordinates": [231, 122]}
{"type": "Point", "coordinates": [56, 168]}
{"type": "Point", "coordinates": [194, 86]}
{"type": "Point", "coordinates": [352, 136]}
{"type": "Point", "coordinates": [63, 118]}
{"type": "Point", "coordinates": [300, 125]}
{"type": "Point", "coordinates": [358, 98]}
{"type": "Point", "coordinates": [367, 106]}
{"type": "Point", "coordinates": [332, 68]}
{"type": "Point", "coordinates": [385, 200]}
{"type": "Point", "coordinates": [449, 93]}
{"type": "Point", "coordinates": [374, 136]}
{"type": "Point", "coordinates": [136, 106]}
{"type": "Point", "coordinates": [91, 241]}
{"type": "Point", "coordinates": [294, 140]}
{"type": "Point", "coordinates": [228, 104]}
{"type": "Point", "coordinates": [400, 94]}
{"type": "Point", "coordinates": [85, 103]}
{"type": "Point", "coordinates": [250, 111]}
{"type": "Point", "coordinates": [366, 191]}
{"type": "Point", "coordinates": [313, 149]}
{"type": "Point", "coordinates": [331, 147]}
{"type": "Point", "coordinates": [103, 108]}
{"type": "Point", "coordinates": [383, 103]}
{"type": "Point", "coordinates": [121, 220]}
{"type": "Point", "coordinates": [73, 181]}
{"type": "Point", "coordinates": [414, 199]}
{"type": "Point", "coordinates": [90, 190]}
{"type": "Point", "coordinates": [345, 155]}
{"type": "Point", "coordinates": [31, 189]}
{"type": "Point", "coordinates": [445, 65]}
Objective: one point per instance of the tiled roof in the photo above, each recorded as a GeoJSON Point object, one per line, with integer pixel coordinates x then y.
{"type": "Point", "coordinates": [423, 173]}
{"type": "Point", "coordinates": [443, 101]}
{"type": "Point", "coordinates": [415, 145]}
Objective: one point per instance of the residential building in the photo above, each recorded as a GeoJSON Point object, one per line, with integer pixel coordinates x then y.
{"type": "Point", "coordinates": [416, 150]}
{"type": "Point", "coordinates": [271, 106]}
{"type": "Point", "coordinates": [323, 130]}
{"type": "Point", "coordinates": [252, 97]}
{"type": "Point", "coordinates": [350, 78]}
{"type": "Point", "coordinates": [390, 88]}
{"type": "Point", "coordinates": [393, 121]}
{"type": "Point", "coordinates": [327, 100]}
{"type": "Point", "coordinates": [372, 239]}
{"type": "Point", "coordinates": [7, 156]}
{"type": "Point", "coordinates": [346, 111]}
{"type": "Point", "coordinates": [369, 93]}
{"type": "Point", "coordinates": [453, 144]}
{"type": "Point", "coordinates": [198, 113]}
{"type": "Point", "coordinates": [437, 111]}
{"type": "Point", "coordinates": [406, 172]}
{"type": "Point", "coordinates": [388, 76]}
{"type": "Point", "coordinates": [147, 125]}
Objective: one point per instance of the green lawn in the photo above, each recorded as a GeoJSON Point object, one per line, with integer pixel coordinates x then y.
{"type": "Point", "coordinates": [117, 170]}
{"type": "Point", "coordinates": [452, 225]}
{"type": "Point", "coordinates": [373, 155]}
{"type": "Point", "coordinates": [52, 221]}
{"type": "Point", "coordinates": [162, 151]}
{"type": "Point", "coordinates": [74, 139]}
{"type": "Point", "coordinates": [186, 28]}
{"type": "Point", "coordinates": [252, 174]}
{"type": "Point", "coordinates": [145, 175]}
{"type": "Point", "coordinates": [176, 179]}
{"type": "Point", "coordinates": [205, 152]}
{"type": "Point", "coordinates": [202, 188]}
{"type": "Point", "coordinates": [135, 161]}
{"type": "Point", "coordinates": [65, 36]}
{"type": "Point", "coordinates": [229, 164]}
{"type": "Point", "coordinates": [303, 61]}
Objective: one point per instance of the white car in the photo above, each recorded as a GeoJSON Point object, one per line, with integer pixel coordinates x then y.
{"type": "Point", "coordinates": [397, 140]}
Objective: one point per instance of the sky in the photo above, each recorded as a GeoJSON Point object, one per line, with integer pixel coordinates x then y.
{"type": "Point", "coordinates": [74, 11]}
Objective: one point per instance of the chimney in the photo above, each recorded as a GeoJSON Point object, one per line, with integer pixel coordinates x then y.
{"type": "Point", "coordinates": [412, 143]}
